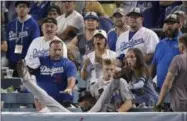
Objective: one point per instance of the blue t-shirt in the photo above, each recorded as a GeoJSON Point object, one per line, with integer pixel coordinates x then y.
{"type": "Point", "coordinates": [164, 53]}
{"type": "Point", "coordinates": [53, 77]}
{"type": "Point", "coordinates": [24, 34]}
{"type": "Point", "coordinates": [112, 39]}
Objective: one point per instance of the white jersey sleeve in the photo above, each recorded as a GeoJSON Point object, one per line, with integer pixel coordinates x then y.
{"type": "Point", "coordinates": [32, 61]}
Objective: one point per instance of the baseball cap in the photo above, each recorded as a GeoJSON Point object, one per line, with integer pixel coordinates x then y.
{"type": "Point", "coordinates": [135, 11]}
{"type": "Point", "coordinates": [49, 20]}
{"type": "Point", "coordinates": [179, 12]}
{"type": "Point", "coordinates": [91, 15]}
{"type": "Point", "coordinates": [23, 2]}
{"type": "Point", "coordinates": [54, 8]}
{"type": "Point", "coordinates": [119, 11]}
{"type": "Point", "coordinates": [101, 32]}
{"type": "Point", "coordinates": [172, 18]}
{"type": "Point", "coordinates": [84, 95]}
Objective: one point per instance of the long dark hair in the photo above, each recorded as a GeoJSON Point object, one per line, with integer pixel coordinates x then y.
{"type": "Point", "coordinates": [140, 62]}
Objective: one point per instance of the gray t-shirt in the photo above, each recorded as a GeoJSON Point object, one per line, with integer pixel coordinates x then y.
{"type": "Point", "coordinates": [98, 87]}
{"type": "Point", "coordinates": [178, 91]}
{"type": "Point", "coordinates": [113, 97]}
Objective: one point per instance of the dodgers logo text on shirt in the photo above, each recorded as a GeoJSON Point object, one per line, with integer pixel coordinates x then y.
{"type": "Point", "coordinates": [39, 53]}
{"type": "Point", "coordinates": [132, 43]}
{"type": "Point", "coordinates": [13, 36]}
{"type": "Point", "coordinates": [44, 70]}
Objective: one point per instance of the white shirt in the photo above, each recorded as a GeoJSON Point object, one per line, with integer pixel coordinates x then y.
{"type": "Point", "coordinates": [144, 39]}
{"type": "Point", "coordinates": [96, 72]}
{"type": "Point", "coordinates": [39, 47]}
{"type": "Point", "coordinates": [75, 19]}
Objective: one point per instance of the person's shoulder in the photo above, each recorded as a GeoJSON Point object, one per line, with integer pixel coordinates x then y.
{"type": "Point", "coordinates": [66, 60]}
{"type": "Point", "coordinates": [77, 14]}
{"type": "Point", "coordinates": [60, 17]}
{"type": "Point", "coordinates": [91, 54]}
{"type": "Point", "coordinates": [44, 58]}
{"type": "Point", "coordinates": [149, 31]}
{"type": "Point", "coordinates": [124, 34]}
{"type": "Point", "coordinates": [178, 57]}
{"type": "Point", "coordinates": [13, 21]}
{"type": "Point", "coordinates": [123, 80]}
{"type": "Point", "coordinates": [111, 52]}
{"type": "Point", "coordinates": [32, 21]}
{"type": "Point", "coordinates": [37, 40]}
{"type": "Point", "coordinates": [111, 30]}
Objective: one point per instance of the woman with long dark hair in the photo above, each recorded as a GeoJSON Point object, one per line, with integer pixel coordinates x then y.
{"type": "Point", "coordinates": [138, 78]}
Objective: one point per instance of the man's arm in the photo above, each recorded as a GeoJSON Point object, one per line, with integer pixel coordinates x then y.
{"type": "Point", "coordinates": [173, 71]}
{"type": "Point", "coordinates": [166, 87]}
{"type": "Point", "coordinates": [71, 71]}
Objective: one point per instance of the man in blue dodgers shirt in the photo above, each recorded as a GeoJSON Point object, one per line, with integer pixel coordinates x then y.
{"type": "Point", "coordinates": [56, 74]}
{"type": "Point", "coordinates": [166, 49]}
{"type": "Point", "coordinates": [20, 33]}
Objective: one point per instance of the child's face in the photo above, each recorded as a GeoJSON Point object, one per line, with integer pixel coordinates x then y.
{"type": "Point", "coordinates": [108, 71]}
{"type": "Point", "coordinates": [131, 59]}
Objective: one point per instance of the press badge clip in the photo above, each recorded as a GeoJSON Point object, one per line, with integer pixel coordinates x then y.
{"type": "Point", "coordinates": [18, 49]}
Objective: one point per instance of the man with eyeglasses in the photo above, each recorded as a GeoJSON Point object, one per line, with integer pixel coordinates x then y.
{"type": "Point", "coordinates": [20, 33]}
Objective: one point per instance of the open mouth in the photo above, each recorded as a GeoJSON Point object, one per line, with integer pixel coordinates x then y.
{"type": "Point", "coordinates": [98, 44]}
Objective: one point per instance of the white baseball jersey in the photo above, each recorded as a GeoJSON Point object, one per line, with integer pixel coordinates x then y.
{"type": "Point", "coordinates": [40, 47]}
{"type": "Point", "coordinates": [75, 19]}
{"type": "Point", "coordinates": [96, 71]}
{"type": "Point", "coordinates": [144, 39]}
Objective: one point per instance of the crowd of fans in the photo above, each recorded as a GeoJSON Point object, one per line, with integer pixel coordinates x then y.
{"type": "Point", "coordinates": [115, 60]}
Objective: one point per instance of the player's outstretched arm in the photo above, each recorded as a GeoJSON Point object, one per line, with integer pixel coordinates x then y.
{"type": "Point", "coordinates": [43, 97]}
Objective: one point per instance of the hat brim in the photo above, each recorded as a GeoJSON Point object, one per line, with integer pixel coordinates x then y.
{"type": "Point", "coordinates": [100, 34]}
{"type": "Point", "coordinates": [120, 13]}
{"type": "Point", "coordinates": [171, 21]}
{"type": "Point", "coordinates": [134, 14]}
{"type": "Point", "coordinates": [91, 17]}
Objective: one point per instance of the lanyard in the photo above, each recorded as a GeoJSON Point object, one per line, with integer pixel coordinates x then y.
{"type": "Point", "coordinates": [17, 32]}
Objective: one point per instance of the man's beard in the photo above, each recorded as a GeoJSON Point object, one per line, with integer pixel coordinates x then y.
{"type": "Point", "coordinates": [171, 33]}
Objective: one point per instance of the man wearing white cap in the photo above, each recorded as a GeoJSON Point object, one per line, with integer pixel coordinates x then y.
{"type": "Point", "coordinates": [120, 22]}
{"type": "Point", "coordinates": [93, 61]}
{"type": "Point", "coordinates": [138, 36]}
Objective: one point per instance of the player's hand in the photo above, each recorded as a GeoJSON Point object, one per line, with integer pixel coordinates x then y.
{"type": "Point", "coordinates": [67, 91]}
{"type": "Point", "coordinates": [158, 108]}
{"type": "Point", "coordinates": [117, 74]}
